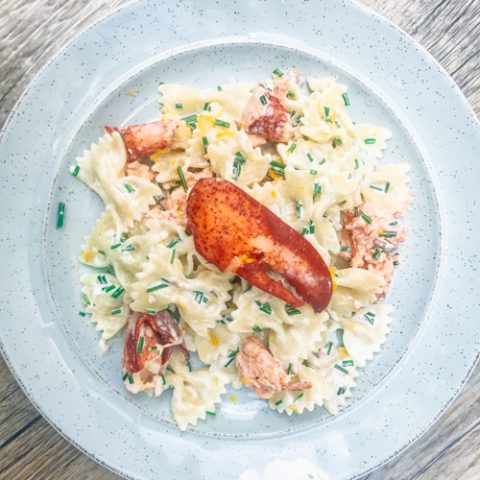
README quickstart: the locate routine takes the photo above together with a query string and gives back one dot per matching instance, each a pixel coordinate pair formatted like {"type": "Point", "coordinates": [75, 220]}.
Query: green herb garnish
{"type": "Point", "coordinates": [221, 123]}
{"type": "Point", "coordinates": [182, 179]}
{"type": "Point", "coordinates": [264, 307]}
{"type": "Point", "coordinates": [60, 214]}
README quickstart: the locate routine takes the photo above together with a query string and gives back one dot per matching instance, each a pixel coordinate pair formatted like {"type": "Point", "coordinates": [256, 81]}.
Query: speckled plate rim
{"type": "Point", "coordinates": [438, 68]}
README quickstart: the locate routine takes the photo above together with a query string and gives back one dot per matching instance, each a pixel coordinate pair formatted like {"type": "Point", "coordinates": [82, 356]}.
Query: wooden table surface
{"type": "Point", "coordinates": [30, 32]}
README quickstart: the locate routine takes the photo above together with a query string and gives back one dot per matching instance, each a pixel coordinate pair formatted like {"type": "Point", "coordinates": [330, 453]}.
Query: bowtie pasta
{"type": "Point", "coordinates": [314, 168]}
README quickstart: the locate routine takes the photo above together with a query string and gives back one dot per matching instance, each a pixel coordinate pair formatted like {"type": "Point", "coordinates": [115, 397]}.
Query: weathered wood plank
{"type": "Point", "coordinates": [31, 31]}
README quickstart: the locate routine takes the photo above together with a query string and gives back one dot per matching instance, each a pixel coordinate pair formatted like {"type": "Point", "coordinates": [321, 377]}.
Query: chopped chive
{"type": "Point", "coordinates": [172, 256]}
{"type": "Point", "coordinates": [179, 105]}
{"type": "Point", "coordinates": [118, 292]}
{"type": "Point", "coordinates": [164, 381]}
{"type": "Point", "coordinates": [345, 249]}
{"type": "Point", "coordinates": [339, 332]}
{"type": "Point", "coordinates": [346, 100]}
{"type": "Point", "coordinates": [313, 172]}
{"type": "Point", "coordinates": [189, 366]}
{"type": "Point", "coordinates": [207, 107]}
{"type": "Point", "coordinates": [310, 158]}
{"type": "Point", "coordinates": [125, 375]}
{"type": "Point", "coordinates": [387, 186]}
{"type": "Point", "coordinates": [396, 263]}
{"type": "Point", "coordinates": [277, 73]}
{"type": "Point", "coordinates": [292, 310]}
{"type": "Point", "coordinates": [341, 390]}
{"type": "Point", "coordinates": [75, 170]}
{"type": "Point", "coordinates": [170, 369]}
{"type": "Point", "coordinates": [101, 252]}
{"type": "Point", "coordinates": [182, 179]}
{"type": "Point", "coordinates": [257, 329]}
{"type": "Point", "coordinates": [159, 286]}
{"type": "Point", "coordinates": [388, 234]}
{"type": "Point", "coordinates": [200, 297]}
{"type": "Point", "coordinates": [128, 248]}
{"type": "Point", "coordinates": [370, 141]}
{"type": "Point", "coordinates": [151, 311]}
{"type": "Point", "coordinates": [321, 162]}
{"type": "Point", "coordinates": [82, 314]}
{"type": "Point", "coordinates": [374, 187]}
{"type": "Point", "coordinates": [115, 245]}
{"type": "Point", "coordinates": [109, 288]}
{"type": "Point", "coordinates": [329, 347]}
{"type": "Point", "coordinates": [376, 254]}
{"type": "Point", "coordinates": [336, 142]}
{"type": "Point", "coordinates": [221, 123]}
{"type": "Point", "coordinates": [173, 242]}
{"type": "Point", "coordinates": [219, 88]}
{"type": "Point", "coordinates": [232, 355]}
{"type": "Point", "coordinates": [366, 217]}
{"type": "Point", "coordinates": [347, 363]}
{"type": "Point", "coordinates": [289, 369]}
{"type": "Point", "coordinates": [263, 99]}
{"type": "Point", "coordinates": [369, 318]}
{"type": "Point", "coordinates": [278, 168]}
{"type": "Point", "coordinates": [153, 348]}
{"type": "Point", "coordinates": [356, 164]}
{"type": "Point", "coordinates": [327, 111]}
{"type": "Point", "coordinates": [205, 144]}
{"type": "Point", "coordinates": [174, 312]}
{"type": "Point", "coordinates": [369, 314]}
{"type": "Point", "coordinates": [355, 211]}
{"type": "Point", "coordinates": [60, 214]}
{"type": "Point", "coordinates": [278, 402]}
{"type": "Point", "coordinates": [298, 397]}
{"type": "Point", "coordinates": [291, 94]}
{"type": "Point", "coordinates": [292, 148]}
{"type": "Point", "coordinates": [129, 377]}
{"type": "Point", "coordinates": [317, 190]}
{"type": "Point", "coordinates": [118, 311]}
{"type": "Point", "coordinates": [173, 185]}
{"type": "Point", "coordinates": [102, 279]}
{"type": "Point", "coordinates": [264, 307]}
{"type": "Point", "coordinates": [238, 162]}
{"type": "Point", "coordinates": [212, 414]}
{"type": "Point", "coordinates": [298, 208]}
{"type": "Point", "coordinates": [189, 119]}
{"type": "Point", "coordinates": [308, 228]}
{"type": "Point", "coordinates": [341, 369]}
{"type": "Point", "coordinates": [129, 188]}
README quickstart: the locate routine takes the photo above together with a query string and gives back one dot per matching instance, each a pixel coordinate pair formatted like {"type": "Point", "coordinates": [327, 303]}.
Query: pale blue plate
{"type": "Point", "coordinates": [392, 82]}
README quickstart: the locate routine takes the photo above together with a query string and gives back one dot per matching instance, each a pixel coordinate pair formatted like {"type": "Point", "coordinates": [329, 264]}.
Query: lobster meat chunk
{"type": "Point", "coordinates": [149, 341]}
{"type": "Point", "coordinates": [143, 140]}
{"type": "Point", "coordinates": [260, 370]}
{"type": "Point", "coordinates": [238, 234]}
{"type": "Point", "coordinates": [266, 117]}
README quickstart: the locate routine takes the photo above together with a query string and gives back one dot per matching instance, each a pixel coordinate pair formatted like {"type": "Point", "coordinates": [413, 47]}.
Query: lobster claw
{"type": "Point", "coordinates": [142, 140]}
{"type": "Point", "coordinates": [238, 234]}
{"type": "Point", "coordinates": [151, 338]}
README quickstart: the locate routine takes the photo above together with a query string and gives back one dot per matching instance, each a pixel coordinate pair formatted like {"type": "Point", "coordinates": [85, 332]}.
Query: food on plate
{"type": "Point", "coordinates": [249, 238]}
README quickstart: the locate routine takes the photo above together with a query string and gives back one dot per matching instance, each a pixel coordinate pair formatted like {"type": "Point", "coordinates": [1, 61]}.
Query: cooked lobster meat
{"type": "Point", "coordinates": [143, 140]}
{"type": "Point", "coordinates": [238, 234]}
{"type": "Point", "coordinates": [260, 370]}
{"type": "Point", "coordinates": [149, 341]}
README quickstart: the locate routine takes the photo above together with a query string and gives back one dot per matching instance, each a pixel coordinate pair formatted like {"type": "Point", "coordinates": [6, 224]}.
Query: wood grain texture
{"type": "Point", "coordinates": [30, 33]}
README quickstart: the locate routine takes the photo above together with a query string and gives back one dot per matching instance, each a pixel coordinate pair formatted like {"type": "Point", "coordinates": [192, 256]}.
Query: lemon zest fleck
{"type": "Point", "coordinates": [214, 339]}
{"type": "Point", "coordinates": [131, 92]}
{"type": "Point", "coordinates": [246, 259]}
{"type": "Point", "coordinates": [233, 398]}
{"type": "Point", "coordinates": [274, 193]}
{"type": "Point", "coordinates": [293, 408]}
{"type": "Point", "coordinates": [343, 352]}
{"type": "Point", "coordinates": [332, 271]}
{"type": "Point", "coordinates": [351, 325]}
{"type": "Point", "coordinates": [244, 380]}
{"type": "Point", "coordinates": [87, 255]}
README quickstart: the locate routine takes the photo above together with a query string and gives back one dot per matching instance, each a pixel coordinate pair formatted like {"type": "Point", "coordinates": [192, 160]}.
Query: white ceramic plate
{"type": "Point", "coordinates": [392, 82]}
